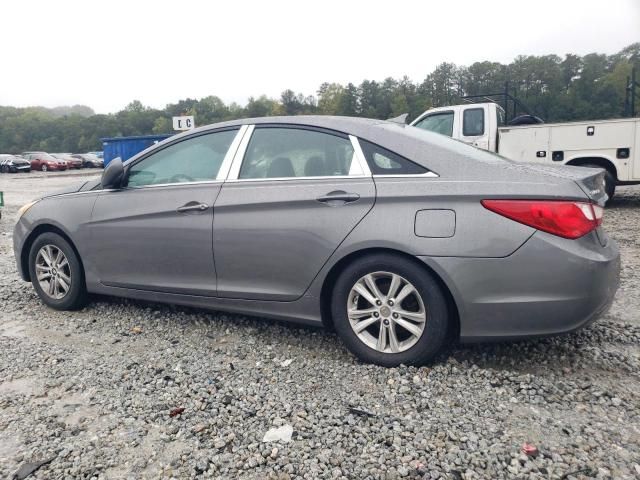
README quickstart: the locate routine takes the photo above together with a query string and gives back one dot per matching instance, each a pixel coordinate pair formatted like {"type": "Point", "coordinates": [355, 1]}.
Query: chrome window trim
{"type": "Point", "coordinates": [227, 162]}
{"type": "Point", "coordinates": [304, 179]}
{"type": "Point", "coordinates": [234, 169]}
{"type": "Point", "coordinates": [408, 175]}
{"type": "Point", "coordinates": [174, 184]}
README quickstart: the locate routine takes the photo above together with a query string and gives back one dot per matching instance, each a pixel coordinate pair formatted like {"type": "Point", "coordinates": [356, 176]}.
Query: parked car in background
{"type": "Point", "coordinates": [99, 154]}
{"type": "Point", "coordinates": [44, 162]}
{"type": "Point", "coordinates": [71, 161]}
{"type": "Point", "coordinates": [399, 238]}
{"type": "Point", "coordinates": [89, 160]}
{"type": "Point", "coordinates": [13, 164]}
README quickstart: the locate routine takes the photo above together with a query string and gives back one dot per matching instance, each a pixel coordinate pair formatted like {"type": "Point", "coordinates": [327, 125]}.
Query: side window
{"type": "Point", "coordinates": [195, 159]}
{"type": "Point", "coordinates": [473, 122]}
{"type": "Point", "coordinates": [275, 152]}
{"type": "Point", "coordinates": [438, 122]}
{"type": "Point", "coordinates": [384, 162]}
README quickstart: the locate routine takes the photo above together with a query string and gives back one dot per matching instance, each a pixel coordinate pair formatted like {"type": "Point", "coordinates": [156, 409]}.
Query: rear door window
{"type": "Point", "coordinates": [441, 122]}
{"type": "Point", "coordinates": [277, 152]}
{"type": "Point", "coordinates": [473, 122]}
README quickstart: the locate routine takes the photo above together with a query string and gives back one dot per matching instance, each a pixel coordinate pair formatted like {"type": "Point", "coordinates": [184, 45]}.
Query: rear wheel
{"type": "Point", "coordinates": [389, 311]}
{"type": "Point", "coordinates": [43, 167]}
{"type": "Point", "coordinates": [4, 169]}
{"type": "Point", "coordinates": [56, 273]}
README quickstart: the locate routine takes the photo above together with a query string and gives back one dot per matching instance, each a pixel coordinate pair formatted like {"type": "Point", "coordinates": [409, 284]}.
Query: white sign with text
{"type": "Point", "coordinates": [184, 123]}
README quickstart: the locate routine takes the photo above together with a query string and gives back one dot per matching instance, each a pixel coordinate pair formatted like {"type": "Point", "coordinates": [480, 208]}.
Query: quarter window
{"type": "Point", "coordinates": [473, 122]}
{"type": "Point", "coordinates": [385, 162]}
{"type": "Point", "coordinates": [294, 152]}
{"type": "Point", "coordinates": [192, 160]}
{"type": "Point", "coordinates": [438, 122]}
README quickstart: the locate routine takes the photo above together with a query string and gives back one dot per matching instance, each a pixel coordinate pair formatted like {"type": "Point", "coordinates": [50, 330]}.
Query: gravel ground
{"type": "Point", "coordinates": [94, 391]}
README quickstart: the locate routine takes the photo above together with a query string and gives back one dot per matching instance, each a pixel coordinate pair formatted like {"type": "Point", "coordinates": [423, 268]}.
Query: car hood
{"type": "Point", "coordinates": [70, 189]}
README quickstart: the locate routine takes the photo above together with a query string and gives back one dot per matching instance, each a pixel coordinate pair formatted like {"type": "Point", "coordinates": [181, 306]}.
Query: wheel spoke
{"type": "Point", "coordinates": [63, 262]}
{"type": "Point", "coordinates": [43, 276]}
{"type": "Point", "coordinates": [52, 287]}
{"type": "Point", "coordinates": [409, 327]}
{"type": "Point", "coordinates": [64, 286]}
{"type": "Point", "coordinates": [362, 290]}
{"type": "Point", "coordinates": [415, 316]}
{"type": "Point", "coordinates": [371, 284]}
{"type": "Point", "coordinates": [355, 313]}
{"type": "Point", "coordinates": [45, 256]}
{"type": "Point", "coordinates": [362, 324]}
{"type": "Point", "coordinates": [66, 278]}
{"type": "Point", "coordinates": [382, 339]}
{"type": "Point", "coordinates": [393, 339]}
{"type": "Point", "coordinates": [407, 290]}
{"type": "Point", "coordinates": [59, 256]}
{"type": "Point", "coordinates": [393, 288]}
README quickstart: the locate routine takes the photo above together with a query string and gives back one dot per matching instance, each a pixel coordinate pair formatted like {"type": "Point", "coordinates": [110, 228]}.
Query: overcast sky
{"type": "Point", "coordinates": [106, 53]}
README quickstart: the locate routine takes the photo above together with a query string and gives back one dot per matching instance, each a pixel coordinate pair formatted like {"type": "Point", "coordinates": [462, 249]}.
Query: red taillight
{"type": "Point", "coordinates": [562, 218]}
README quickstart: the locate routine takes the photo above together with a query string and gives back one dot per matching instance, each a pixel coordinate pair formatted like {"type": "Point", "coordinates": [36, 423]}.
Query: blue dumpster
{"type": "Point", "coordinates": [127, 147]}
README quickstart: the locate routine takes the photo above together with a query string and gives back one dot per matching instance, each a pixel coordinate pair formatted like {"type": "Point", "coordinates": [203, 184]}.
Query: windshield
{"type": "Point", "coordinates": [441, 122]}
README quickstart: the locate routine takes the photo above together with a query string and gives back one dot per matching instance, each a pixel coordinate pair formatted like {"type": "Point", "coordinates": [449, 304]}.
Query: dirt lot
{"type": "Point", "coordinates": [93, 390]}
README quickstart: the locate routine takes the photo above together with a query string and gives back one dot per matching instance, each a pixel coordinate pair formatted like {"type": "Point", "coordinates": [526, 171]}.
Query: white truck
{"type": "Point", "coordinates": [613, 145]}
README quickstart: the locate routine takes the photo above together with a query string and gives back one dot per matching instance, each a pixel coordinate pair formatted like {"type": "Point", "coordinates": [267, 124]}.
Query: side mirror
{"type": "Point", "coordinates": [113, 175]}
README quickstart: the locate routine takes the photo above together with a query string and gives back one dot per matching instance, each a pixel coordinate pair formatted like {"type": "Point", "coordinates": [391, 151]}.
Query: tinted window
{"type": "Point", "coordinates": [195, 159]}
{"type": "Point", "coordinates": [473, 122]}
{"type": "Point", "coordinates": [294, 152]}
{"type": "Point", "coordinates": [500, 113]}
{"type": "Point", "coordinates": [384, 162]}
{"type": "Point", "coordinates": [438, 122]}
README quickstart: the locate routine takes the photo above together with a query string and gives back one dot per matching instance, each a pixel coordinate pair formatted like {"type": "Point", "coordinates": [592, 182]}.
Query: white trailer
{"type": "Point", "coordinates": [613, 145]}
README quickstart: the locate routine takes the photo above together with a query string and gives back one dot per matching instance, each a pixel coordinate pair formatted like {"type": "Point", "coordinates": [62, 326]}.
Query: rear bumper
{"type": "Point", "coordinates": [548, 286]}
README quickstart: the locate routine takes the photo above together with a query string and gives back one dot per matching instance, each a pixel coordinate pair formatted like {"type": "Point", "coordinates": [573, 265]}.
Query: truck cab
{"type": "Point", "coordinates": [476, 124]}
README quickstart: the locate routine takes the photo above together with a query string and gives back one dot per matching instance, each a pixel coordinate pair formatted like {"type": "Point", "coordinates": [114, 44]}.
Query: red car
{"type": "Point", "coordinates": [68, 159]}
{"type": "Point", "coordinates": [43, 161]}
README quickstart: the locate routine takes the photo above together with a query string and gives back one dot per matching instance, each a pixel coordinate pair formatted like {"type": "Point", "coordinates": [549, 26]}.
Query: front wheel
{"type": "Point", "coordinates": [390, 311]}
{"type": "Point", "coordinates": [56, 273]}
{"type": "Point", "coordinates": [43, 167]}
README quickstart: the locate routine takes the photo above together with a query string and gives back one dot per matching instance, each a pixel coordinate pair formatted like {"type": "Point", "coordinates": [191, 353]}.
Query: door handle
{"type": "Point", "coordinates": [192, 207]}
{"type": "Point", "coordinates": [338, 196]}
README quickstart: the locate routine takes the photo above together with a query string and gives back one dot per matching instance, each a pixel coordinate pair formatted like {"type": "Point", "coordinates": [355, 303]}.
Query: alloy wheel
{"type": "Point", "coordinates": [386, 312]}
{"type": "Point", "coordinates": [53, 271]}
{"type": "Point", "coordinates": [43, 168]}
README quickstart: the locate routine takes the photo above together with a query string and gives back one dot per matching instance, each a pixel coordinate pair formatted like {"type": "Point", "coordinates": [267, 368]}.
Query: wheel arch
{"type": "Point", "coordinates": [337, 268]}
{"type": "Point", "coordinates": [603, 162]}
{"type": "Point", "coordinates": [35, 233]}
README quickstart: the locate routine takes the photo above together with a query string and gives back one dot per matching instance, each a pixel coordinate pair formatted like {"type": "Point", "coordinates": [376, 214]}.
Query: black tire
{"type": "Point", "coordinates": [76, 296]}
{"type": "Point", "coordinates": [3, 169]}
{"type": "Point", "coordinates": [43, 167]}
{"type": "Point", "coordinates": [437, 316]}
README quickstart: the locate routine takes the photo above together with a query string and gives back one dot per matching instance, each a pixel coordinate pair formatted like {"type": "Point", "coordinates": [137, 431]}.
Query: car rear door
{"type": "Point", "coordinates": [156, 232]}
{"type": "Point", "coordinates": [292, 196]}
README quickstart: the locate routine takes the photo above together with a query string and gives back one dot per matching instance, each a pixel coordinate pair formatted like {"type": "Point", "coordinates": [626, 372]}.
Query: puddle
{"type": "Point", "coordinates": [21, 386]}
{"type": "Point", "coordinates": [13, 329]}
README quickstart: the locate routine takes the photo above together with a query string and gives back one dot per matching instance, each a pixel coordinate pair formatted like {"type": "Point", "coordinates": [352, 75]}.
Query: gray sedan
{"type": "Point", "coordinates": [400, 239]}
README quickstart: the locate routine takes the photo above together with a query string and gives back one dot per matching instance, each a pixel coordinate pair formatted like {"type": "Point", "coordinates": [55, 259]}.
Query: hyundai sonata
{"type": "Point", "coordinates": [398, 238]}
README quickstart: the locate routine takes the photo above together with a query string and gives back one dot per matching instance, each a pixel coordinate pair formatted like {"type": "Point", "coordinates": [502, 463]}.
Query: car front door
{"type": "Point", "coordinates": [155, 233]}
{"type": "Point", "coordinates": [292, 196]}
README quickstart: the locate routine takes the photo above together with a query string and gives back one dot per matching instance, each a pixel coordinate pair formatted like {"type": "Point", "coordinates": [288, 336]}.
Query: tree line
{"type": "Point", "coordinates": [554, 88]}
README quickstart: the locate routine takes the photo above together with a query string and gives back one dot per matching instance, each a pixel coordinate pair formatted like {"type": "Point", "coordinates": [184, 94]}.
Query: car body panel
{"type": "Point", "coordinates": [272, 237]}
{"type": "Point", "coordinates": [139, 240]}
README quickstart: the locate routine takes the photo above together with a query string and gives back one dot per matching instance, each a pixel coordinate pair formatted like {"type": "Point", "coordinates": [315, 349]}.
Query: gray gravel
{"type": "Point", "coordinates": [95, 390]}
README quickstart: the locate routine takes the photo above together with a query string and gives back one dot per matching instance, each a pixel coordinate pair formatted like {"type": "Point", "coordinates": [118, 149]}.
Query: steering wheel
{"type": "Point", "coordinates": [181, 177]}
